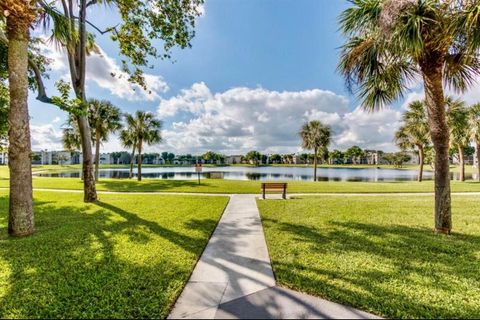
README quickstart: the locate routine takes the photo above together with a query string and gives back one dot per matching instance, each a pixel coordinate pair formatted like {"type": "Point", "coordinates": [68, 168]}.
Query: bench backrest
{"type": "Point", "coordinates": [274, 185]}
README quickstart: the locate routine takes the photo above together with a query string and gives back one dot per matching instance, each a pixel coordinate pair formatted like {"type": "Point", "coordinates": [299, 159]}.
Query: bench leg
{"type": "Point", "coordinates": [284, 196]}
{"type": "Point", "coordinates": [263, 195]}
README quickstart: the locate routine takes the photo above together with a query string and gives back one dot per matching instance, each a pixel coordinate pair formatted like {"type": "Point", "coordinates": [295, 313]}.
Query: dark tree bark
{"type": "Point", "coordinates": [461, 157]}
{"type": "Point", "coordinates": [139, 161]}
{"type": "Point", "coordinates": [97, 153]}
{"type": "Point", "coordinates": [20, 218]}
{"type": "Point", "coordinates": [315, 164]}
{"type": "Point", "coordinates": [432, 74]}
{"type": "Point", "coordinates": [421, 157]}
{"type": "Point", "coordinates": [132, 160]}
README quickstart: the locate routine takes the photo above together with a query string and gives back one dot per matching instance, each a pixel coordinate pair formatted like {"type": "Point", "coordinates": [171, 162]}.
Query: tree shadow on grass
{"type": "Point", "coordinates": [398, 263]}
{"type": "Point", "coordinates": [152, 185]}
{"type": "Point", "coordinates": [95, 261]}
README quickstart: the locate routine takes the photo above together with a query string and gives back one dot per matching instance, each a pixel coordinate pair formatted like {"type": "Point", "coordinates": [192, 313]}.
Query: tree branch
{"type": "Point", "coordinates": [42, 96]}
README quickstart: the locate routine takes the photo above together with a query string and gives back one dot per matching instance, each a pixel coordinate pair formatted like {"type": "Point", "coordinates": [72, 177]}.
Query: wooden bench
{"type": "Point", "coordinates": [274, 186]}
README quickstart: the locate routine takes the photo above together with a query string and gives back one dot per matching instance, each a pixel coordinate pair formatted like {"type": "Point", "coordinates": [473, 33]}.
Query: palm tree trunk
{"type": "Point", "coordinates": [478, 160]}
{"type": "Point", "coordinates": [435, 101]}
{"type": "Point", "coordinates": [20, 218]}
{"type": "Point", "coordinates": [132, 160]}
{"type": "Point", "coordinates": [315, 164]}
{"type": "Point", "coordinates": [421, 156]}
{"type": "Point", "coordinates": [97, 153]}
{"type": "Point", "coordinates": [139, 162]}
{"type": "Point", "coordinates": [461, 157]}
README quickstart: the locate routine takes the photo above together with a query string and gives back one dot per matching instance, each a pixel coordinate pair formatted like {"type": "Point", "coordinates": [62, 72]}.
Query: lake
{"type": "Point", "coordinates": [264, 173]}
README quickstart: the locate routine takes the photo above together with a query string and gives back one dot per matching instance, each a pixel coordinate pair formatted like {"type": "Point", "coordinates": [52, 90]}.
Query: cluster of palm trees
{"type": "Point", "coordinates": [391, 43]}
{"type": "Point", "coordinates": [141, 128]}
{"type": "Point", "coordinates": [463, 126]}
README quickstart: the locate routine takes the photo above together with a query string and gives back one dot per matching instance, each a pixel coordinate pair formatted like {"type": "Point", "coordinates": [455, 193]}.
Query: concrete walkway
{"type": "Point", "coordinates": [234, 277]}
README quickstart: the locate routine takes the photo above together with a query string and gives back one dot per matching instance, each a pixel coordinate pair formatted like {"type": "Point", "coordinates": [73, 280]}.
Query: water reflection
{"type": "Point", "coordinates": [265, 173]}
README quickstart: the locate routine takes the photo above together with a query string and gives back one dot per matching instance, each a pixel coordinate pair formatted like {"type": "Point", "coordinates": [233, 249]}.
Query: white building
{"type": "Point", "coordinates": [234, 159]}
{"type": "Point", "coordinates": [3, 158]}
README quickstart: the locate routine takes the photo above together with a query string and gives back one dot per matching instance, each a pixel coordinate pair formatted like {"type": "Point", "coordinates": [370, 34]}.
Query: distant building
{"type": "Point", "coordinates": [46, 157]}
{"type": "Point", "coordinates": [235, 159]}
{"type": "Point", "coordinates": [3, 158]}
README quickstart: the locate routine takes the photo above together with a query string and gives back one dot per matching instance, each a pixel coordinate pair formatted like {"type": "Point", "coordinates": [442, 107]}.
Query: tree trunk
{"type": "Point", "coordinates": [77, 63]}
{"type": "Point", "coordinates": [89, 190]}
{"type": "Point", "coordinates": [461, 157]}
{"type": "Point", "coordinates": [97, 153]}
{"type": "Point", "coordinates": [20, 218]}
{"type": "Point", "coordinates": [132, 160]}
{"type": "Point", "coordinates": [139, 161]}
{"type": "Point", "coordinates": [421, 156]}
{"type": "Point", "coordinates": [435, 101]}
{"type": "Point", "coordinates": [315, 164]}
{"type": "Point", "coordinates": [478, 160]}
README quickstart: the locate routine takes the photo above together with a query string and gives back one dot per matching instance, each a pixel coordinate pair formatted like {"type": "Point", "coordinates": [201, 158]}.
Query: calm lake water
{"type": "Point", "coordinates": [264, 173]}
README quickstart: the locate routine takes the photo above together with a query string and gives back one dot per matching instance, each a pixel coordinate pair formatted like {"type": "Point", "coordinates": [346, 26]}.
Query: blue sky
{"type": "Point", "coordinates": [257, 70]}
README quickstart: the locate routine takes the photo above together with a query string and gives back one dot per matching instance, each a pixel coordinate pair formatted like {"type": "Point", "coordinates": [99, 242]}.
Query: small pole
{"type": "Point", "coordinates": [198, 174]}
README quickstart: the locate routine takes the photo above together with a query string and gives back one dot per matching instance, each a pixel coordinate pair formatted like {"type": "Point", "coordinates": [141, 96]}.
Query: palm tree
{"type": "Point", "coordinates": [414, 132]}
{"type": "Point", "coordinates": [104, 118]}
{"type": "Point", "coordinates": [392, 42]}
{"type": "Point", "coordinates": [460, 133]}
{"type": "Point", "coordinates": [475, 132]}
{"type": "Point", "coordinates": [19, 17]}
{"type": "Point", "coordinates": [315, 136]}
{"type": "Point", "coordinates": [128, 139]}
{"type": "Point", "coordinates": [142, 128]}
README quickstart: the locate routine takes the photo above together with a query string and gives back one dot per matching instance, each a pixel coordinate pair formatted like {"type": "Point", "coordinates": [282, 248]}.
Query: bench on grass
{"type": "Point", "coordinates": [274, 186]}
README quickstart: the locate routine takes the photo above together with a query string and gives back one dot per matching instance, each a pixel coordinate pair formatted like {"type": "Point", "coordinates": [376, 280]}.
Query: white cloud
{"type": "Point", "coordinates": [241, 119]}
{"type": "Point", "coordinates": [101, 67]}
{"type": "Point", "coordinates": [45, 137]}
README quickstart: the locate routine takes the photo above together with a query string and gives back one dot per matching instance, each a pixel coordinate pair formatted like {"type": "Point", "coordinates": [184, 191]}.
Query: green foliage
{"type": "Point", "coordinates": [131, 260]}
{"type": "Point", "coordinates": [458, 123]}
{"type": "Point", "coordinates": [414, 132]}
{"type": "Point", "coordinates": [336, 156]}
{"type": "Point", "coordinates": [73, 106]}
{"type": "Point", "coordinates": [354, 152]}
{"type": "Point", "coordinates": [390, 42]}
{"type": "Point", "coordinates": [253, 156]}
{"type": "Point", "coordinates": [397, 159]}
{"type": "Point", "coordinates": [474, 121]}
{"type": "Point", "coordinates": [315, 136]}
{"type": "Point", "coordinates": [378, 254]}
{"type": "Point", "coordinates": [211, 157]}
{"type": "Point", "coordinates": [104, 118]}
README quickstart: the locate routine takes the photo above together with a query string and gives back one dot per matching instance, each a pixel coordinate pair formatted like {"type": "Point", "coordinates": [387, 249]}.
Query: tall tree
{"type": "Point", "coordinates": [144, 129]}
{"type": "Point", "coordinates": [414, 132]}
{"type": "Point", "coordinates": [19, 16]}
{"type": "Point", "coordinates": [460, 132]}
{"type": "Point", "coordinates": [474, 125]}
{"type": "Point", "coordinates": [315, 136]}
{"type": "Point", "coordinates": [141, 22]}
{"type": "Point", "coordinates": [391, 42]}
{"type": "Point", "coordinates": [104, 119]}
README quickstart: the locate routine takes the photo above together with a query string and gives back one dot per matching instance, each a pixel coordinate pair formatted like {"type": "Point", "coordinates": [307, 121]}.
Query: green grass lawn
{"type": "Point", "coordinates": [378, 254]}
{"type": "Point", "coordinates": [236, 186]}
{"type": "Point", "coordinates": [126, 256]}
